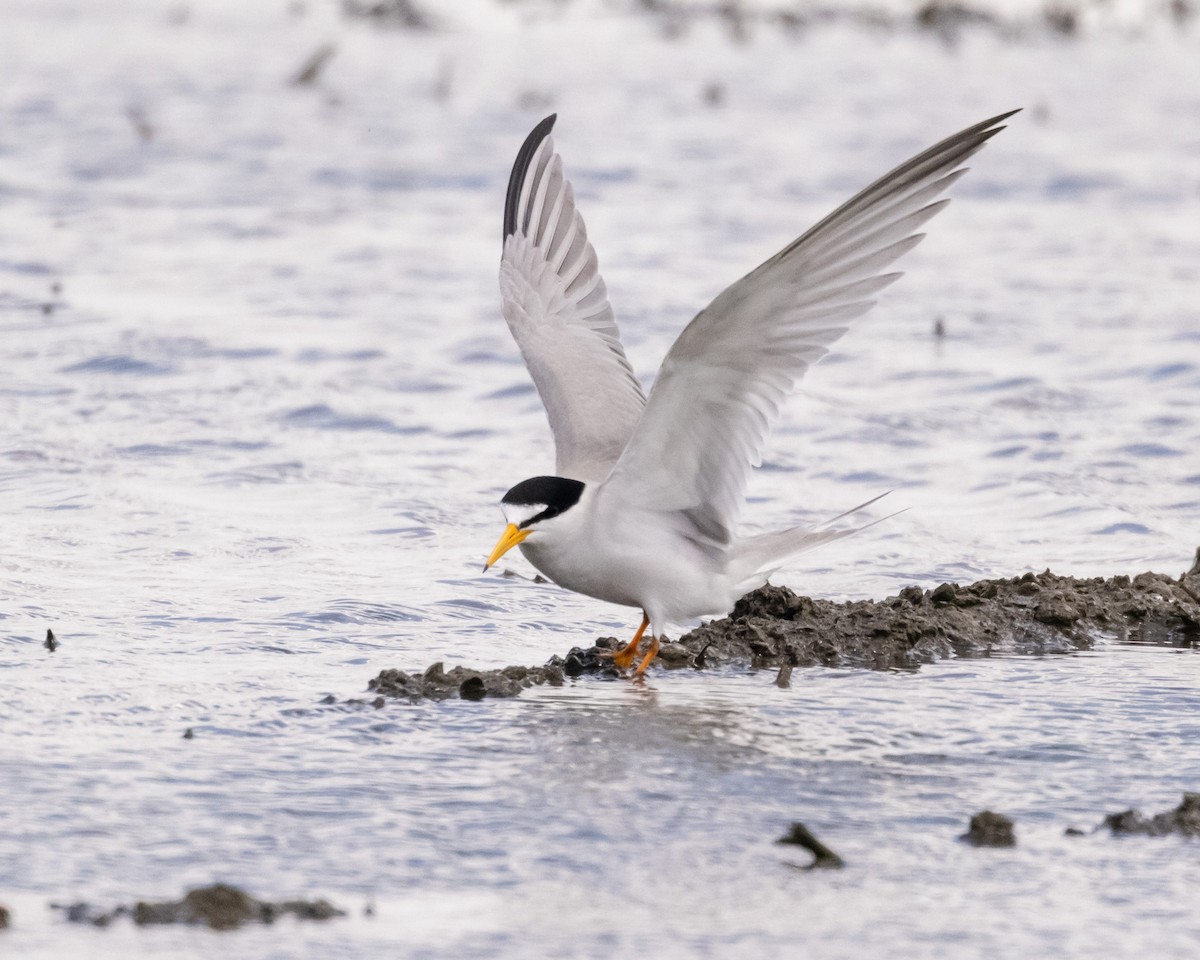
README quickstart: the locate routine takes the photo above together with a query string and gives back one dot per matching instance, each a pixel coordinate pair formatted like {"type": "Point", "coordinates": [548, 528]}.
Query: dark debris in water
{"type": "Point", "coordinates": [988, 829]}
{"type": "Point", "coordinates": [773, 628]}
{"type": "Point", "coordinates": [1184, 819]}
{"type": "Point", "coordinates": [219, 907]}
{"type": "Point", "coordinates": [396, 13]}
{"type": "Point", "coordinates": [823, 857]}
{"type": "Point", "coordinates": [438, 683]}
{"type": "Point", "coordinates": [944, 19]}
{"type": "Point", "coordinates": [311, 69]}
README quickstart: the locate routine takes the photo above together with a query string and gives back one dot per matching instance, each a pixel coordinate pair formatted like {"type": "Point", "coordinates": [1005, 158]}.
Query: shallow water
{"type": "Point", "coordinates": [252, 453]}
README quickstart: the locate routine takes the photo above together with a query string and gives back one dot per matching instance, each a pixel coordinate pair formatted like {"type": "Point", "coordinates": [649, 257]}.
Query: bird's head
{"type": "Point", "coordinates": [531, 508]}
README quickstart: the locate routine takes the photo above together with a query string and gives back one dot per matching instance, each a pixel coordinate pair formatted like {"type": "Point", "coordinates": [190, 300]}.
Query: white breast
{"type": "Point", "coordinates": [633, 560]}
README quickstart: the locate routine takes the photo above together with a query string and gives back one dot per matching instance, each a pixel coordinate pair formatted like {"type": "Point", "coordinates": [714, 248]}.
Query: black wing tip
{"type": "Point", "coordinates": [1005, 116]}
{"type": "Point", "coordinates": [993, 126]}
{"type": "Point", "coordinates": [521, 167]}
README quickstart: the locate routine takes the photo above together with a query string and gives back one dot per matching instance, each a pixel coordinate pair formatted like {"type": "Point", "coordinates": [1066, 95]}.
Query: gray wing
{"type": "Point", "coordinates": [556, 306]}
{"type": "Point", "coordinates": [724, 380]}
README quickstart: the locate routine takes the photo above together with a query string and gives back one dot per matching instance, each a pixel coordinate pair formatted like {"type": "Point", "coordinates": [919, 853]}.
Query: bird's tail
{"type": "Point", "coordinates": [758, 557]}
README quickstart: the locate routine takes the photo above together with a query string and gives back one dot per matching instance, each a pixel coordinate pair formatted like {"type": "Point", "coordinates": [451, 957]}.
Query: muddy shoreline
{"type": "Point", "coordinates": [945, 19]}
{"type": "Point", "coordinates": [774, 628]}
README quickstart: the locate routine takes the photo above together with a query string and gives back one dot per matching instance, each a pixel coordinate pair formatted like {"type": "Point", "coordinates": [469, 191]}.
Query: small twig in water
{"type": "Point", "coordinates": [801, 836]}
{"type": "Point", "coordinates": [141, 123]}
{"type": "Point", "coordinates": [312, 67]}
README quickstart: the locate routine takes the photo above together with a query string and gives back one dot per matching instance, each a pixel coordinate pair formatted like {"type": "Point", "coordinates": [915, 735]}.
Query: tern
{"type": "Point", "coordinates": [644, 505]}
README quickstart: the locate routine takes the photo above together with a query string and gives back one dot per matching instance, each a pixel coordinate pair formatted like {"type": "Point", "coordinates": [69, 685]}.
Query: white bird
{"type": "Point", "coordinates": [643, 510]}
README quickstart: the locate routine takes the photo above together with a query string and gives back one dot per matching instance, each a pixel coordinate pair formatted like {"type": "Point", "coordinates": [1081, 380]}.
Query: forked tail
{"type": "Point", "coordinates": [758, 557]}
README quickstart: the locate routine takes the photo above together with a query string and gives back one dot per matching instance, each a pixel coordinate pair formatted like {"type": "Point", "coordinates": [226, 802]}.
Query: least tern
{"type": "Point", "coordinates": [644, 506]}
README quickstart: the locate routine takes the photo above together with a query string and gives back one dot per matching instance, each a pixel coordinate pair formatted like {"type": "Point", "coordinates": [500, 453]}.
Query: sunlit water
{"type": "Point", "coordinates": [250, 456]}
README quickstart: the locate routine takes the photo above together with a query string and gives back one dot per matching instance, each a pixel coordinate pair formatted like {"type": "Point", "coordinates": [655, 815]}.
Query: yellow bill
{"type": "Point", "coordinates": [512, 536]}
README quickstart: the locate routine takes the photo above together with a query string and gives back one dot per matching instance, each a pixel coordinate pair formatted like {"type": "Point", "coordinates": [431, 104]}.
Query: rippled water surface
{"type": "Point", "coordinates": [258, 406]}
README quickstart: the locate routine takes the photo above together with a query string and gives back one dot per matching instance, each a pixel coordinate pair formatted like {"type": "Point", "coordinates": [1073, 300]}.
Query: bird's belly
{"type": "Point", "coordinates": [673, 585]}
{"type": "Point", "coordinates": [589, 572]}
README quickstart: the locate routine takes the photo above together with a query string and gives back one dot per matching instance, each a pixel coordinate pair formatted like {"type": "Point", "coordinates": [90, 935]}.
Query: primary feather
{"type": "Point", "coordinates": [723, 382]}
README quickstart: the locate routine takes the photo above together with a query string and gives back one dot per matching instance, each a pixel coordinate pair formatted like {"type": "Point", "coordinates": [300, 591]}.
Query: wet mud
{"type": "Point", "coordinates": [988, 829]}
{"type": "Point", "coordinates": [774, 628]}
{"type": "Point", "coordinates": [219, 907]}
{"type": "Point", "coordinates": [1183, 820]}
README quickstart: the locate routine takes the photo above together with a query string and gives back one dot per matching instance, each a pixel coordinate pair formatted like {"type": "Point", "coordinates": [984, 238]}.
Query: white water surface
{"type": "Point", "coordinates": [258, 407]}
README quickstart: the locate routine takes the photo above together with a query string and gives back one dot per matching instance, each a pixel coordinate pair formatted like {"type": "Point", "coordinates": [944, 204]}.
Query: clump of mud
{"type": "Point", "coordinates": [774, 628]}
{"type": "Point", "coordinates": [988, 829]}
{"type": "Point", "coordinates": [219, 907]}
{"type": "Point", "coordinates": [1033, 614]}
{"type": "Point", "coordinates": [1184, 819]}
{"type": "Point", "coordinates": [437, 683]}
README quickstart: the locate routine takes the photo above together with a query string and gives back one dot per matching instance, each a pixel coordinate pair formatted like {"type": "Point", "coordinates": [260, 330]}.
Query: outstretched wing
{"type": "Point", "coordinates": [724, 380]}
{"type": "Point", "coordinates": [557, 308]}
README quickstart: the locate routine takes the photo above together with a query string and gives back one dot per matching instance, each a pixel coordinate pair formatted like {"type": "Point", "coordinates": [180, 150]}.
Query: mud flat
{"type": "Point", "coordinates": [773, 628]}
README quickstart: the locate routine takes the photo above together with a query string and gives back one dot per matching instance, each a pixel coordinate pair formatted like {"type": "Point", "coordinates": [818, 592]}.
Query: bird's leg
{"type": "Point", "coordinates": [624, 657]}
{"type": "Point", "coordinates": [654, 645]}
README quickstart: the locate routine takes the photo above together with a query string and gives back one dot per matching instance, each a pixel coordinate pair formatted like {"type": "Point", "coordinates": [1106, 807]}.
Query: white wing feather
{"type": "Point", "coordinates": [723, 382]}
{"type": "Point", "coordinates": [556, 306]}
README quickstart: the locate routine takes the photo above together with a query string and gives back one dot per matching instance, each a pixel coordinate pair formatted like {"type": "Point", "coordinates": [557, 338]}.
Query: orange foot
{"type": "Point", "coordinates": [624, 657]}
{"type": "Point", "coordinates": [641, 670]}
